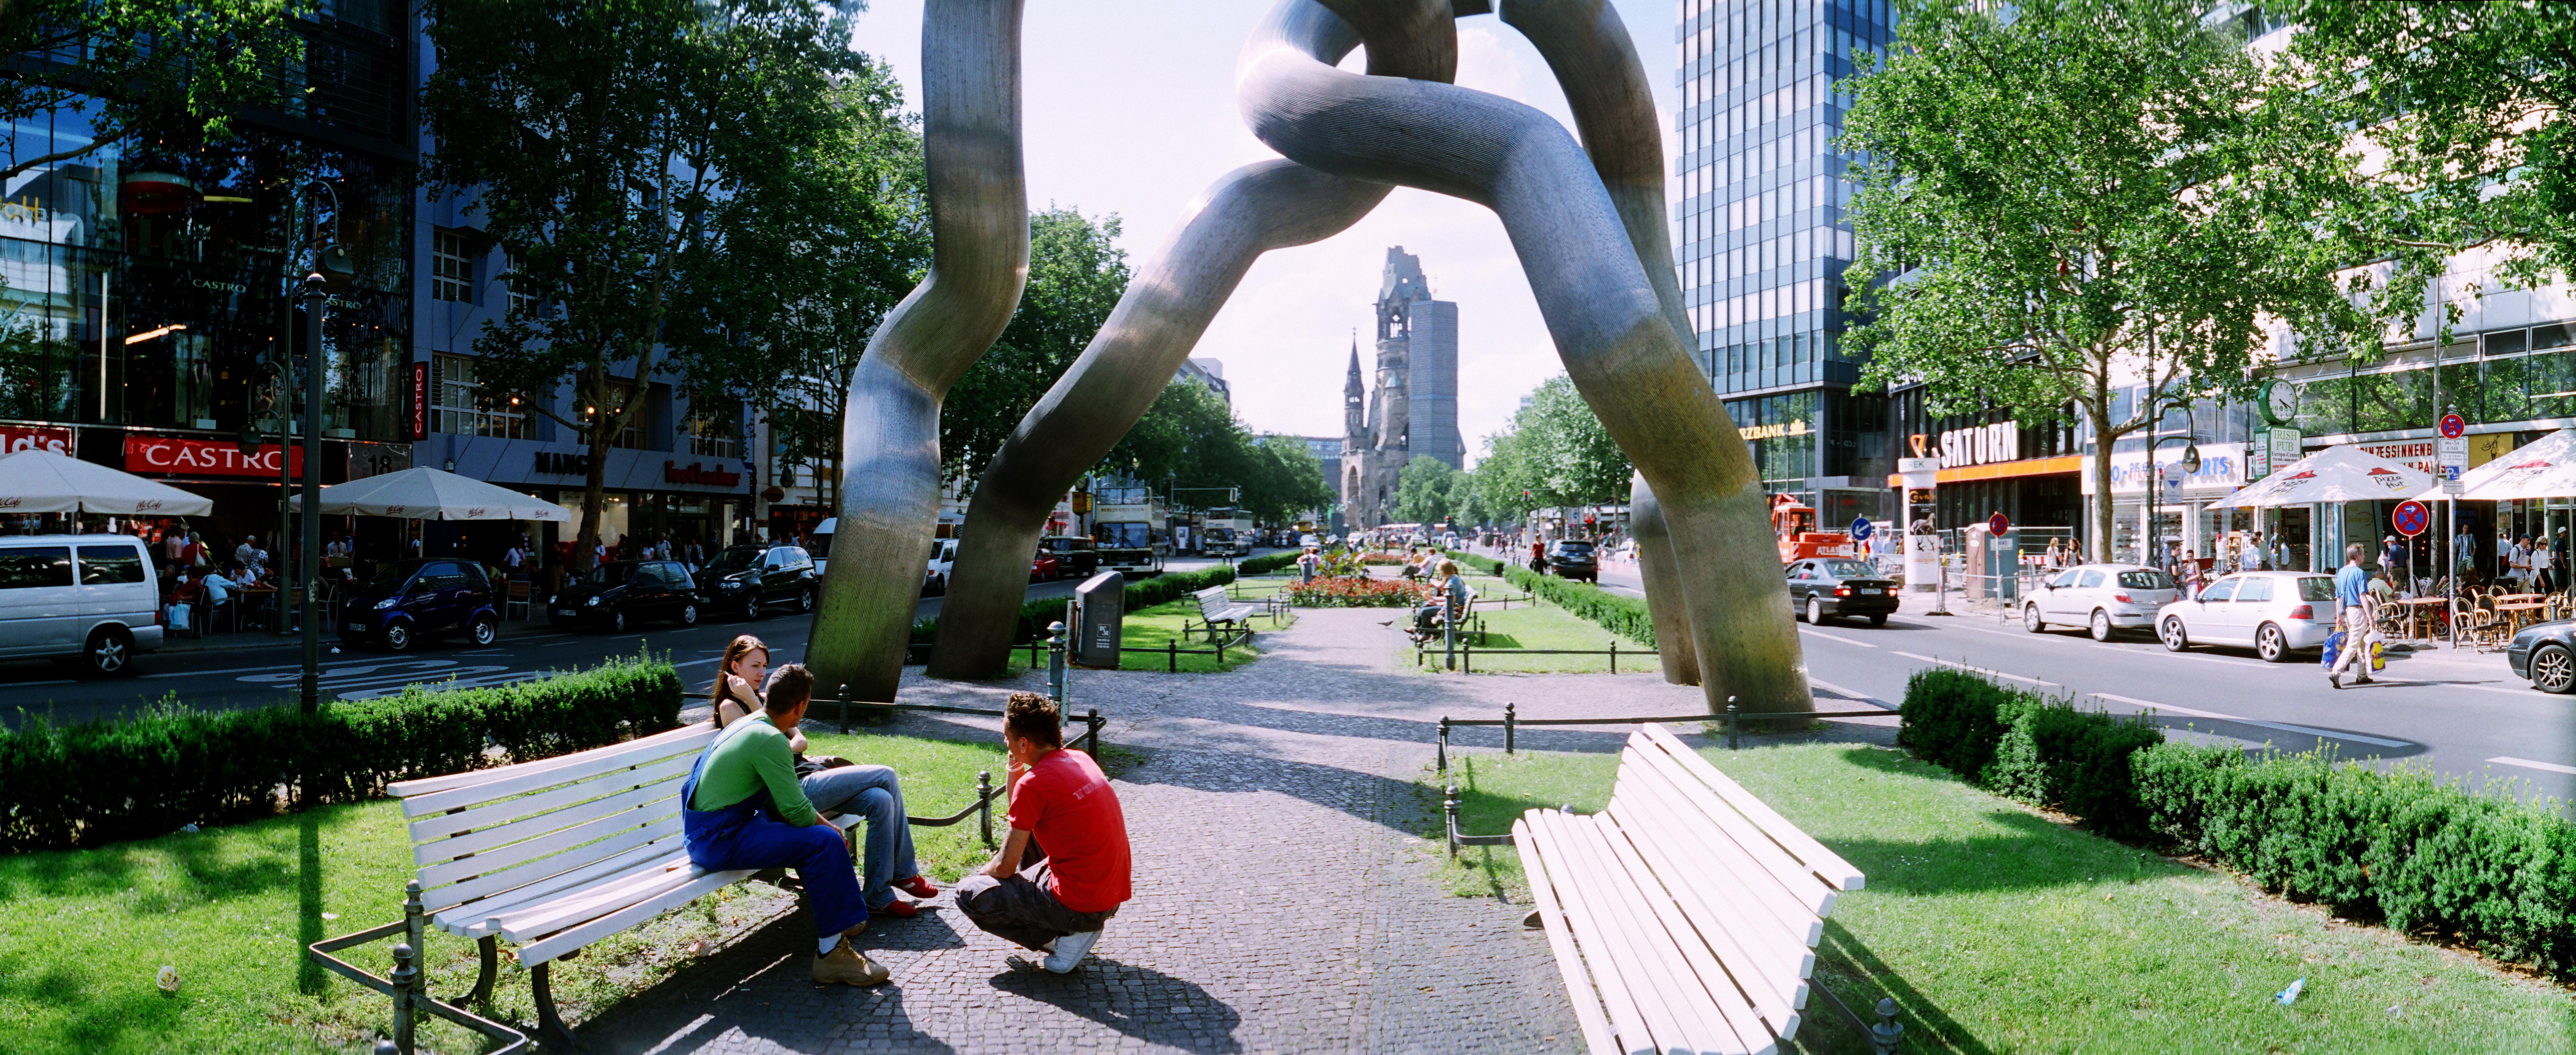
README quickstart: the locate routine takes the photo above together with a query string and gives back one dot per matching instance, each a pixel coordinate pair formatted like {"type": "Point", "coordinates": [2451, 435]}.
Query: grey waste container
{"type": "Point", "coordinates": [1100, 607]}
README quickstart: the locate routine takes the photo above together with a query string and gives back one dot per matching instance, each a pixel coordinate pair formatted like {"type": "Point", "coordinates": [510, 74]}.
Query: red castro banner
{"type": "Point", "coordinates": [172, 456]}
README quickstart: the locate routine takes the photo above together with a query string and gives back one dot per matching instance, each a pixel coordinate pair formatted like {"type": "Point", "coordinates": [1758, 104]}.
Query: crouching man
{"type": "Point", "coordinates": [743, 809]}
{"type": "Point", "coordinates": [1065, 822]}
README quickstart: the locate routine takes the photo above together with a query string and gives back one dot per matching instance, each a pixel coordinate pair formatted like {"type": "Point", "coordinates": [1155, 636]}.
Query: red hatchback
{"type": "Point", "coordinates": [1043, 567]}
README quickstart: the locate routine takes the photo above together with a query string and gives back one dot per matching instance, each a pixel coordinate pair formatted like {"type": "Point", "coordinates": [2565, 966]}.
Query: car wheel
{"type": "Point", "coordinates": [486, 630]}
{"type": "Point", "coordinates": [617, 620]}
{"type": "Point", "coordinates": [2101, 625]}
{"type": "Point", "coordinates": [1815, 611]}
{"type": "Point", "coordinates": [689, 614]}
{"type": "Point", "coordinates": [2553, 669]}
{"type": "Point", "coordinates": [1878, 620]}
{"type": "Point", "coordinates": [110, 652]}
{"type": "Point", "coordinates": [2271, 644]}
{"type": "Point", "coordinates": [805, 600]}
{"type": "Point", "coordinates": [2171, 633]}
{"type": "Point", "coordinates": [398, 636]}
{"type": "Point", "coordinates": [2030, 619]}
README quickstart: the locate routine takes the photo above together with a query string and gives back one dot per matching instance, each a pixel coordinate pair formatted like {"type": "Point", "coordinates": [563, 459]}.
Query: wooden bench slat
{"type": "Point", "coordinates": [508, 781]}
{"type": "Point", "coordinates": [609, 758]}
{"type": "Point", "coordinates": [468, 917]}
{"type": "Point", "coordinates": [1659, 908]}
{"type": "Point", "coordinates": [439, 850]}
{"type": "Point", "coordinates": [1633, 1005]}
{"type": "Point", "coordinates": [1667, 777]}
{"type": "Point", "coordinates": [1765, 969]}
{"type": "Point", "coordinates": [508, 811]}
{"type": "Point", "coordinates": [538, 858]}
{"type": "Point", "coordinates": [1598, 1037]}
{"type": "Point", "coordinates": [587, 903]}
{"type": "Point", "coordinates": [1826, 864]}
{"type": "Point", "coordinates": [1675, 1015]}
{"type": "Point", "coordinates": [1729, 864]}
{"type": "Point", "coordinates": [545, 949]}
{"type": "Point", "coordinates": [1763, 921]}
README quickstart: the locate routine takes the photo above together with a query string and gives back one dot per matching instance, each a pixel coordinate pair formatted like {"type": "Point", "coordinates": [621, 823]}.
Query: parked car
{"type": "Point", "coordinates": [943, 559]}
{"type": "Point", "coordinates": [422, 597]}
{"type": "Point", "coordinates": [2274, 611]}
{"type": "Point", "coordinates": [2099, 597]}
{"type": "Point", "coordinates": [89, 597]}
{"type": "Point", "coordinates": [619, 594]}
{"type": "Point", "coordinates": [1573, 559]}
{"type": "Point", "coordinates": [747, 579]}
{"type": "Point", "coordinates": [2545, 654]}
{"type": "Point", "coordinates": [1822, 588]}
{"type": "Point", "coordinates": [1074, 556]}
{"type": "Point", "coordinates": [1044, 568]}
{"type": "Point", "coordinates": [1309, 539]}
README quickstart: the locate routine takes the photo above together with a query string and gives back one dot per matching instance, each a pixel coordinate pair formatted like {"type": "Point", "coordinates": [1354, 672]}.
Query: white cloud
{"type": "Point", "coordinates": [1129, 108]}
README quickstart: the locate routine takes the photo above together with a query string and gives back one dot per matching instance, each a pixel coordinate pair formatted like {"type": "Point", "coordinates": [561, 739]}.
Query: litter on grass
{"type": "Point", "coordinates": [2291, 995]}
{"type": "Point", "coordinates": [168, 979]}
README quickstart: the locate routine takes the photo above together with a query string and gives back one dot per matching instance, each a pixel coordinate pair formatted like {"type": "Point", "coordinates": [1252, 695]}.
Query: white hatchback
{"type": "Point", "coordinates": [2099, 597]}
{"type": "Point", "coordinates": [2274, 611]}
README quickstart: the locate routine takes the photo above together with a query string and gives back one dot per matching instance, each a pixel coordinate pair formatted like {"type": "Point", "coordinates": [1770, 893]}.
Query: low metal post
{"type": "Point", "coordinates": [1442, 753]}
{"type": "Point", "coordinates": [1884, 1036]}
{"type": "Point", "coordinates": [404, 978]}
{"type": "Point", "coordinates": [1731, 724]}
{"type": "Point", "coordinates": [844, 697]}
{"type": "Point", "coordinates": [1511, 720]}
{"type": "Point", "coordinates": [1092, 719]}
{"type": "Point", "coordinates": [1449, 636]}
{"type": "Point", "coordinates": [1055, 662]}
{"type": "Point", "coordinates": [1614, 655]}
{"type": "Point", "coordinates": [1172, 655]}
{"type": "Point", "coordinates": [1220, 648]}
{"type": "Point", "coordinates": [1468, 658]}
{"type": "Point", "coordinates": [1450, 808]}
{"type": "Point", "coordinates": [984, 802]}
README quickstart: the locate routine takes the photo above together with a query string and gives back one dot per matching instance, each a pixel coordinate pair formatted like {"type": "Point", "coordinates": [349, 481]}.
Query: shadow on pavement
{"type": "Point", "coordinates": [1140, 1002]}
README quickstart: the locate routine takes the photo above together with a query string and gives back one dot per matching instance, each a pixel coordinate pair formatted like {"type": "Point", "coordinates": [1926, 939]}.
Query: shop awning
{"type": "Point", "coordinates": [2542, 468]}
{"type": "Point", "coordinates": [41, 481]}
{"type": "Point", "coordinates": [432, 494]}
{"type": "Point", "coordinates": [2336, 474]}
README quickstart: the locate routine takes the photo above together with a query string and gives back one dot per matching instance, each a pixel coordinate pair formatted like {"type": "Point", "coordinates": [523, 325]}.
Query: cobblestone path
{"type": "Point", "coordinates": [1283, 894]}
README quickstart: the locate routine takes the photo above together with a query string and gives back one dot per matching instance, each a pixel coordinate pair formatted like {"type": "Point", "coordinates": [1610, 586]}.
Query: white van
{"type": "Point", "coordinates": [819, 545]}
{"type": "Point", "coordinates": [90, 596]}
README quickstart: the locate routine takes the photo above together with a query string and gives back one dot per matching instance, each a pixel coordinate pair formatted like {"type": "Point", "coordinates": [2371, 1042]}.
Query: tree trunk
{"type": "Point", "coordinates": [594, 489]}
{"type": "Point", "coordinates": [2098, 415]}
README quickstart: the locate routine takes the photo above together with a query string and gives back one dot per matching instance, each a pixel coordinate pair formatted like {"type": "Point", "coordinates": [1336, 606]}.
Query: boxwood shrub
{"type": "Point", "coordinates": [2028, 747]}
{"type": "Point", "coordinates": [104, 780]}
{"type": "Point", "coordinates": [1265, 565]}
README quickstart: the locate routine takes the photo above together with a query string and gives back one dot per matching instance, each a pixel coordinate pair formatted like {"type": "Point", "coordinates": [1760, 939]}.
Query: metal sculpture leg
{"type": "Point", "coordinates": [1664, 604]}
{"type": "Point", "coordinates": [1257, 208]}
{"type": "Point", "coordinates": [1601, 307]}
{"type": "Point", "coordinates": [979, 264]}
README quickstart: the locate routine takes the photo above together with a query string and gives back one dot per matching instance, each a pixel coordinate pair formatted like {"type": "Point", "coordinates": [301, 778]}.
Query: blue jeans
{"type": "Point", "coordinates": [874, 793]}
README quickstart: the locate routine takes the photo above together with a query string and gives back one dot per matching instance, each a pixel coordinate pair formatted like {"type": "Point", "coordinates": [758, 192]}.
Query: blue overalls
{"type": "Point", "coordinates": [746, 835]}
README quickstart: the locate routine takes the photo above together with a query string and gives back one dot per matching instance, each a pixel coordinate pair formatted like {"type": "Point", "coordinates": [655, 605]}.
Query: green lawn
{"type": "Point", "coordinates": [82, 933]}
{"type": "Point", "coordinates": [1145, 632]}
{"type": "Point", "coordinates": [1538, 624]}
{"type": "Point", "coordinates": [1996, 929]}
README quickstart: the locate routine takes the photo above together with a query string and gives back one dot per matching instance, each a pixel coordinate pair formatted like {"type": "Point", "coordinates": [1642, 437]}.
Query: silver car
{"type": "Point", "coordinates": [2274, 611]}
{"type": "Point", "coordinates": [2099, 597]}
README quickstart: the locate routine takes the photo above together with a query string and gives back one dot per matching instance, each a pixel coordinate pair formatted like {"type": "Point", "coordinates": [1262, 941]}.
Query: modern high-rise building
{"type": "Point", "coordinates": [1414, 410]}
{"type": "Point", "coordinates": [1763, 241]}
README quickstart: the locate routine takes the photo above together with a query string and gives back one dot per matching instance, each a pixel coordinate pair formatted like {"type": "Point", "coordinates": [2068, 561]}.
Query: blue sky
{"type": "Point", "coordinates": [1129, 109]}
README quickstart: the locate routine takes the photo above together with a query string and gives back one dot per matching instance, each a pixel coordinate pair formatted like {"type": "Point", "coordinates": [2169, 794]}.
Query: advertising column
{"type": "Point", "coordinates": [1922, 546]}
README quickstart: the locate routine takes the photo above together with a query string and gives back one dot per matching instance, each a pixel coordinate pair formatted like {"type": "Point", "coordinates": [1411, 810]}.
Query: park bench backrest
{"type": "Point", "coordinates": [548, 825]}
{"type": "Point", "coordinates": [1213, 604]}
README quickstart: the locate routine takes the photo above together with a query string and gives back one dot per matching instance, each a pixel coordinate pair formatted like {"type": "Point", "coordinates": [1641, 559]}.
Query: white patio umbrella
{"type": "Point", "coordinates": [2336, 474]}
{"type": "Point", "coordinates": [2542, 468]}
{"type": "Point", "coordinates": [41, 481]}
{"type": "Point", "coordinates": [432, 494]}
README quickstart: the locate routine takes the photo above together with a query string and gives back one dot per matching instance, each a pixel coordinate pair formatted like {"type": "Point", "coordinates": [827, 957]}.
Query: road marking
{"type": "Point", "coordinates": [1837, 637]}
{"type": "Point", "coordinates": [2283, 726]}
{"type": "Point", "coordinates": [2548, 767]}
{"type": "Point", "coordinates": [695, 662]}
{"type": "Point", "coordinates": [1982, 670]}
{"type": "Point", "coordinates": [1856, 697]}
{"type": "Point", "coordinates": [2524, 693]}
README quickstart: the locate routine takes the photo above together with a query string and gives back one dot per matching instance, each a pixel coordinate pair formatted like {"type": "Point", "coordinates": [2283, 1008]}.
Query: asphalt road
{"type": "Point", "coordinates": [269, 670]}
{"type": "Point", "coordinates": [2462, 713]}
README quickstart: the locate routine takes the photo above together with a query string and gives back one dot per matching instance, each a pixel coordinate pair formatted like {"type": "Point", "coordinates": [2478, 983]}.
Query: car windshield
{"type": "Point", "coordinates": [2316, 588]}
{"type": "Point", "coordinates": [1850, 569]}
{"type": "Point", "coordinates": [1129, 535]}
{"type": "Point", "coordinates": [819, 546]}
{"type": "Point", "coordinates": [2146, 579]}
{"type": "Point", "coordinates": [392, 576]}
{"type": "Point", "coordinates": [738, 558]}
{"type": "Point", "coordinates": [610, 574]}
{"type": "Point", "coordinates": [1574, 549]}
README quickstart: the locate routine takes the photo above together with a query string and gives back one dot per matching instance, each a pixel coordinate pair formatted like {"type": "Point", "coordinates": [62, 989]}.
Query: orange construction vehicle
{"type": "Point", "coordinates": [1794, 523]}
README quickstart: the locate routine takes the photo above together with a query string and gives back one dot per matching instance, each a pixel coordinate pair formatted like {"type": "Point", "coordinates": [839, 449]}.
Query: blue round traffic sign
{"type": "Point", "coordinates": [1998, 524]}
{"type": "Point", "coordinates": [2453, 426]}
{"type": "Point", "coordinates": [1862, 529]}
{"type": "Point", "coordinates": [2412, 518]}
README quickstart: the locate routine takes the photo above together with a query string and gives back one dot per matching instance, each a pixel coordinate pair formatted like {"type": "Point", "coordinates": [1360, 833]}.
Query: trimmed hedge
{"type": "Point", "coordinates": [107, 780]}
{"type": "Point", "coordinates": [1624, 616]}
{"type": "Point", "coordinates": [1264, 565]}
{"type": "Point", "coordinates": [2427, 855]}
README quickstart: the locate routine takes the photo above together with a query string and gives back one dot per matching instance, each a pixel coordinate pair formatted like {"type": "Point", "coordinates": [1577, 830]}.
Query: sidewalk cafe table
{"type": "Point", "coordinates": [2520, 612]}
{"type": "Point", "coordinates": [2422, 615]}
{"type": "Point", "coordinates": [262, 596]}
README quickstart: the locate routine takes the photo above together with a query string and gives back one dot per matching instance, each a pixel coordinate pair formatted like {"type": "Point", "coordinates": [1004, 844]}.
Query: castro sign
{"type": "Point", "coordinates": [173, 456]}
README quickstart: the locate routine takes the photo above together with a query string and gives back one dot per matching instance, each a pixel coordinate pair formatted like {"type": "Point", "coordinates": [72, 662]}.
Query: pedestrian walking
{"type": "Point", "coordinates": [2353, 613]}
{"type": "Point", "coordinates": [2464, 554]}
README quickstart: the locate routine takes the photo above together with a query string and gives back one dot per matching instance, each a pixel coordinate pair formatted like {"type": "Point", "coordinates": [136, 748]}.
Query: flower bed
{"type": "Point", "coordinates": [1381, 558]}
{"type": "Point", "coordinates": [1357, 593]}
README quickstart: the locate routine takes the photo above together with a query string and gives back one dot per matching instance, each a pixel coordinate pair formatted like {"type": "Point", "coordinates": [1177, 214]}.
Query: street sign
{"type": "Point", "coordinates": [1919, 472]}
{"type": "Point", "coordinates": [2453, 426]}
{"type": "Point", "coordinates": [2411, 518]}
{"type": "Point", "coordinates": [1862, 529]}
{"type": "Point", "coordinates": [2452, 454]}
{"type": "Point", "coordinates": [2454, 486]}
{"type": "Point", "coordinates": [1998, 524]}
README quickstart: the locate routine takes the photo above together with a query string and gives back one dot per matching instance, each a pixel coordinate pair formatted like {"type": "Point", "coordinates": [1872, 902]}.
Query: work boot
{"type": "Point", "coordinates": [846, 966]}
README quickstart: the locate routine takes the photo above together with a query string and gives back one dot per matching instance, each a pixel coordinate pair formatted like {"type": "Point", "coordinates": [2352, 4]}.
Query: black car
{"type": "Point", "coordinates": [747, 579]}
{"type": "Point", "coordinates": [422, 597]}
{"type": "Point", "coordinates": [1074, 557]}
{"type": "Point", "coordinates": [1573, 559]}
{"type": "Point", "coordinates": [1826, 587]}
{"type": "Point", "coordinates": [619, 594]}
{"type": "Point", "coordinates": [2545, 653]}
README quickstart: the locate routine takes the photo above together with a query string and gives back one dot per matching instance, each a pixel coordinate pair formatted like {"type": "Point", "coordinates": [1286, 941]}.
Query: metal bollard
{"type": "Point", "coordinates": [1614, 655]}
{"type": "Point", "coordinates": [1172, 655]}
{"type": "Point", "coordinates": [1450, 807]}
{"type": "Point", "coordinates": [1055, 663]}
{"type": "Point", "coordinates": [1443, 750]}
{"type": "Point", "coordinates": [844, 697]}
{"type": "Point", "coordinates": [1511, 720]}
{"type": "Point", "coordinates": [1884, 1036]}
{"type": "Point", "coordinates": [1092, 718]}
{"type": "Point", "coordinates": [984, 802]}
{"type": "Point", "coordinates": [1731, 740]}
{"type": "Point", "coordinates": [405, 978]}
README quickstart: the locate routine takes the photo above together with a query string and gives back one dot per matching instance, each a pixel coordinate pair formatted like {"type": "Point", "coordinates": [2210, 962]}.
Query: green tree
{"type": "Point", "coordinates": [1184, 435]}
{"type": "Point", "coordinates": [613, 149]}
{"type": "Point", "coordinates": [2090, 203]}
{"type": "Point", "coordinates": [1556, 451]}
{"type": "Point", "coordinates": [1076, 275]}
{"type": "Point", "coordinates": [1287, 480]}
{"type": "Point", "coordinates": [1422, 490]}
{"type": "Point", "coordinates": [173, 72]}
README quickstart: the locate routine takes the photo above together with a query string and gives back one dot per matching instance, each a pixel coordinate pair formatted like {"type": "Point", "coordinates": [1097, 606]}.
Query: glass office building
{"type": "Point", "coordinates": [1763, 242]}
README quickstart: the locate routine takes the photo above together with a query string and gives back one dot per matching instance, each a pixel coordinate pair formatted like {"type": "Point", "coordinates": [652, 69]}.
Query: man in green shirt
{"type": "Point", "coordinates": [741, 808]}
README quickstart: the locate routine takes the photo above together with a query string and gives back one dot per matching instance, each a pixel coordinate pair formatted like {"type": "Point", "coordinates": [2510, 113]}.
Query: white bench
{"type": "Point", "coordinates": [1216, 608]}
{"type": "Point", "coordinates": [555, 854]}
{"type": "Point", "coordinates": [1685, 916]}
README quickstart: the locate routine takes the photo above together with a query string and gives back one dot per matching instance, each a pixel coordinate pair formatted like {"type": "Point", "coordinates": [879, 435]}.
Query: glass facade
{"type": "Point", "coordinates": [1762, 240]}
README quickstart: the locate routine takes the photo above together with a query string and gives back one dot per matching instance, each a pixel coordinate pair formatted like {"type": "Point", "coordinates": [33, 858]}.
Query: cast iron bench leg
{"type": "Point", "coordinates": [550, 1024]}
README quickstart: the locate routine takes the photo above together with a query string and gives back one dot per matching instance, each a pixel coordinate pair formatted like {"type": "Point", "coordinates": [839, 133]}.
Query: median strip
{"type": "Point", "coordinates": [2283, 726]}
{"type": "Point", "coordinates": [1982, 670]}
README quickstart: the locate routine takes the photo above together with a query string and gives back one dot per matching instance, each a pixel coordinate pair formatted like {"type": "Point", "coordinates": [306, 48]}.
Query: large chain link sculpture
{"type": "Point", "coordinates": [1588, 222]}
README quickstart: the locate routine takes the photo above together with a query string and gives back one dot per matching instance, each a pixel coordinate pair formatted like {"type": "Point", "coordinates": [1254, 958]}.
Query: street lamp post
{"type": "Point", "coordinates": [2152, 547]}
{"type": "Point", "coordinates": [327, 268]}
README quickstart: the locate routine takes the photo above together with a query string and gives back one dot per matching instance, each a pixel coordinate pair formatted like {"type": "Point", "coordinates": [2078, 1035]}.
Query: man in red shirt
{"type": "Point", "coordinates": [1064, 810]}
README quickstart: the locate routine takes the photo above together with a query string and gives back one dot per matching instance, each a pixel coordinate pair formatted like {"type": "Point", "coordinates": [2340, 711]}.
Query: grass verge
{"type": "Point", "coordinates": [1538, 624]}
{"type": "Point", "coordinates": [1145, 631]}
{"type": "Point", "coordinates": [83, 932]}
{"type": "Point", "coordinates": [1997, 929]}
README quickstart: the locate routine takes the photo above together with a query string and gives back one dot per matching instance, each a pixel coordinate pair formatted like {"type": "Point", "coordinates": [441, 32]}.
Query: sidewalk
{"type": "Point", "coordinates": [1284, 899]}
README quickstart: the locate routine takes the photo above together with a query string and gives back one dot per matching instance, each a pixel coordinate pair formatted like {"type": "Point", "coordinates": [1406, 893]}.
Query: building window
{"type": "Point", "coordinates": [451, 271]}
{"type": "Point", "coordinates": [522, 304]}
{"type": "Point", "coordinates": [630, 428]}
{"type": "Point", "coordinates": [714, 428]}
{"type": "Point", "coordinates": [459, 404]}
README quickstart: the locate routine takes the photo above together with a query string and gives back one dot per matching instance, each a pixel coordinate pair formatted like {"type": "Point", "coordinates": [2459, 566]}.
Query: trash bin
{"type": "Point", "coordinates": [1100, 610]}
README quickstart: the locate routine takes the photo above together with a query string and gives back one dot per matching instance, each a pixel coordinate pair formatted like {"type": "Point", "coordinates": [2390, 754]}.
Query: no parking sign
{"type": "Point", "coordinates": [2412, 518]}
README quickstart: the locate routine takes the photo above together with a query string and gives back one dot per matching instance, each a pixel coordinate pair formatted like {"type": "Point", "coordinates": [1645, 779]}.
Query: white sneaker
{"type": "Point", "coordinates": [1069, 951]}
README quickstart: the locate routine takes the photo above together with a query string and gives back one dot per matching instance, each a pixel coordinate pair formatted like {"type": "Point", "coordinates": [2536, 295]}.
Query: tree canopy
{"type": "Point", "coordinates": [1553, 453]}
{"type": "Point", "coordinates": [1076, 275]}
{"type": "Point", "coordinates": [173, 72]}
